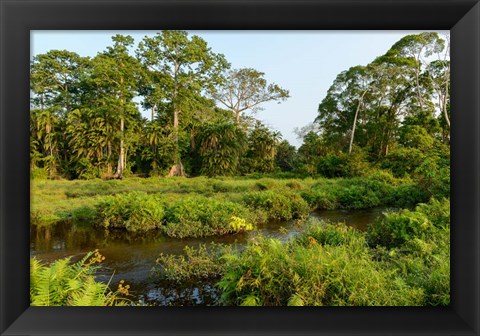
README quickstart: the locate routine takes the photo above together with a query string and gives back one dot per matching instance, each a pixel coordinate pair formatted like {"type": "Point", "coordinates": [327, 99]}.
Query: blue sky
{"type": "Point", "coordinates": [304, 62]}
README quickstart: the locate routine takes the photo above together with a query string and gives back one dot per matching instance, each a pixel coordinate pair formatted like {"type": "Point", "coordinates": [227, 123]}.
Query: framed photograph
{"type": "Point", "coordinates": [155, 155]}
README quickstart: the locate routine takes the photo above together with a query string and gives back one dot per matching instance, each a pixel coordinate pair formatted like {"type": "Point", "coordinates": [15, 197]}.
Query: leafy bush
{"type": "Point", "coordinates": [406, 195]}
{"type": "Point", "coordinates": [278, 204]}
{"type": "Point", "coordinates": [194, 264]}
{"type": "Point", "coordinates": [396, 228]}
{"type": "Point", "coordinates": [416, 245]}
{"type": "Point", "coordinates": [199, 216]}
{"type": "Point", "coordinates": [65, 284]}
{"type": "Point", "coordinates": [403, 161]}
{"type": "Point", "coordinates": [320, 199]}
{"type": "Point", "coordinates": [343, 165]}
{"type": "Point", "coordinates": [335, 270]}
{"type": "Point", "coordinates": [134, 211]}
{"type": "Point", "coordinates": [433, 176]}
{"type": "Point", "coordinates": [360, 193]}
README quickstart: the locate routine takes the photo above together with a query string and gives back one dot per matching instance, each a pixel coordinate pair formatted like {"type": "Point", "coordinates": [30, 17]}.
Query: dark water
{"type": "Point", "coordinates": [131, 257]}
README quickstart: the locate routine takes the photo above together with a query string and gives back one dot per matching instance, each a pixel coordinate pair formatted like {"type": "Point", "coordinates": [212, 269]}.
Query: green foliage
{"type": "Point", "coordinates": [38, 174]}
{"type": "Point", "coordinates": [343, 165]}
{"type": "Point", "coordinates": [140, 201]}
{"type": "Point", "coordinates": [416, 245]}
{"type": "Point", "coordinates": [262, 146]}
{"type": "Point", "coordinates": [220, 147]}
{"type": "Point", "coordinates": [319, 198]}
{"type": "Point", "coordinates": [309, 153]}
{"type": "Point", "coordinates": [278, 205]}
{"type": "Point", "coordinates": [335, 270]}
{"type": "Point", "coordinates": [198, 216]}
{"type": "Point", "coordinates": [407, 263]}
{"type": "Point", "coordinates": [286, 156]}
{"type": "Point", "coordinates": [195, 264]}
{"type": "Point", "coordinates": [133, 211]}
{"type": "Point", "coordinates": [63, 283]}
{"type": "Point", "coordinates": [403, 161]}
{"type": "Point", "coordinates": [397, 228]}
{"type": "Point", "coordinates": [433, 176]}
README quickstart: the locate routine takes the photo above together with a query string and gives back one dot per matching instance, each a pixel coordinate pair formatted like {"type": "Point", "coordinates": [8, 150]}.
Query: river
{"type": "Point", "coordinates": [131, 256]}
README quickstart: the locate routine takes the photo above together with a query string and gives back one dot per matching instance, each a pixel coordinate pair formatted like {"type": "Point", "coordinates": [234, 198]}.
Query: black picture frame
{"type": "Point", "coordinates": [18, 17]}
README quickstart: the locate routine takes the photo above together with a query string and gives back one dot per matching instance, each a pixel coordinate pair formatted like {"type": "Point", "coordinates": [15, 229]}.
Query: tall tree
{"type": "Point", "coordinates": [55, 78]}
{"type": "Point", "coordinates": [246, 89]}
{"type": "Point", "coordinates": [186, 67]}
{"type": "Point", "coordinates": [411, 52]}
{"type": "Point", "coordinates": [116, 74]}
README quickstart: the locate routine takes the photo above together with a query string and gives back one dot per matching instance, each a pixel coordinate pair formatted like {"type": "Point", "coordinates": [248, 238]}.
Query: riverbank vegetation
{"type": "Point", "coordinates": [402, 260]}
{"type": "Point", "coordinates": [198, 207]}
{"type": "Point", "coordinates": [195, 169]}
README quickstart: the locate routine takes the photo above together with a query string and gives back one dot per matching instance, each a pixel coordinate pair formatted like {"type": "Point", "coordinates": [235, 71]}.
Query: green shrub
{"type": "Point", "coordinates": [407, 195]}
{"type": "Point", "coordinates": [361, 193]}
{"type": "Point", "coordinates": [403, 161]}
{"type": "Point", "coordinates": [278, 204]}
{"type": "Point", "coordinates": [199, 216]}
{"type": "Point", "coordinates": [422, 261]}
{"type": "Point", "coordinates": [331, 234]}
{"type": "Point", "coordinates": [134, 211]}
{"type": "Point", "coordinates": [194, 264]}
{"type": "Point", "coordinates": [335, 270]}
{"type": "Point", "coordinates": [84, 214]}
{"type": "Point", "coordinates": [344, 165]}
{"type": "Point", "coordinates": [433, 176]}
{"type": "Point", "coordinates": [331, 166]}
{"type": "Point", "coordinates": [320, 199]}
{"type": "Point", "coordinates": [396, 228]}
{"type": "Point", "coordinates": [294, 185]}
{"type": "Point", "coordinates": [65, 284]}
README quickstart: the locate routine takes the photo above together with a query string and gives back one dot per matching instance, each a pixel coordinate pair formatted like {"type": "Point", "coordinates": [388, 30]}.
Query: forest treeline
{"type": "Point", "coordinates": [392, 114]}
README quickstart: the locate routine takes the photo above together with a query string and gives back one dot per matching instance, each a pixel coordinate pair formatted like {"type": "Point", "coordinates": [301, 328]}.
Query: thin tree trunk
{"type": "Point", "coordinates": [418, 91]}
{"type": "Point", "coordinates": [360, 101]}
{"type": "Point", "coordinates": [109, 163]}
{"type": "Point", "coordinates": [121, 160]}
{"type": "Point", "coordinates": [237, 117]}
{"type": "Point", "coordinates": [417, 74]}
{"type": "Point", "coordinates": [445, 99]}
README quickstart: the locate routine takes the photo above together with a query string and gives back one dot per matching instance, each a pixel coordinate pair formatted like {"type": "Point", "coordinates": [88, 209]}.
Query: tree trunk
{"type": "Point", "coordinates": [420, 101]}
{"type": "Point", "coordinates": [121, 155]}
{"type": "Point", "coordinates": [355, 122]}
{"type": "Point", "coordinates": [445, 99]}
{"type": "Point", "coordinates": [237, 117]}
{"type": "Point", "coordinates": [109, 163]}
{"type": "Point", "coordinates": [417, 74]}
{"type": "Point", "coordinates": [177, 170]}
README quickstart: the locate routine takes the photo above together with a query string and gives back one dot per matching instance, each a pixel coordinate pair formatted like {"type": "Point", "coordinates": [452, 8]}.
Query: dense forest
{"type": "Point", "coordinates": [391, 114]}
{"type": "Point", "coordinates": [258, 221]}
